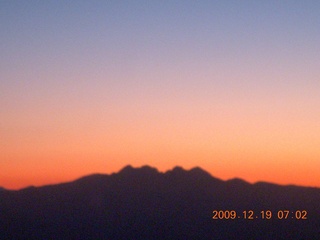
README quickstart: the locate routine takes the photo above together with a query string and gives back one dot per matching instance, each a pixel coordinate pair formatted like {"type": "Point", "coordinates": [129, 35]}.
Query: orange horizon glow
{"type": "Point", "coordinates": [244, 142]}
{"type": "Point", "coordinates": [248, 143]}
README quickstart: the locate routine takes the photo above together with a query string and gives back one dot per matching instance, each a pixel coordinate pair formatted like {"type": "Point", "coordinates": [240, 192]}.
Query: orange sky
{"type": "Point", "coordinates": [231, 87]}
{"type": "Point", "coordinates": [249, 142]}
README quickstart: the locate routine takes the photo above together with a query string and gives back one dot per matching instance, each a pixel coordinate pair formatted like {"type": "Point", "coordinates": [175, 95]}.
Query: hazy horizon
{"type": "Point", "coordinates": [92, 86]}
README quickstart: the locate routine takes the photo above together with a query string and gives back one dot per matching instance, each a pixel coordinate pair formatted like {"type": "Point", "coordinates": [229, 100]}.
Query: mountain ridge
{"type": "Point", "coordinates": [143, 203]}
{"type": "Point", "coordinates": [129, 169]}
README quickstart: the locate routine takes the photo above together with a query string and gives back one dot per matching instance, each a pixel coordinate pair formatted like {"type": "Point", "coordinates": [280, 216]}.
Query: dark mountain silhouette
{"type": "Point", "coordinates": [142, 203]}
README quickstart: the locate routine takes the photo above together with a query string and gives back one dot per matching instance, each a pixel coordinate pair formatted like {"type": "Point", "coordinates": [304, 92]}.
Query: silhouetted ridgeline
{"type": "Point", "coordinates": [141, 203]}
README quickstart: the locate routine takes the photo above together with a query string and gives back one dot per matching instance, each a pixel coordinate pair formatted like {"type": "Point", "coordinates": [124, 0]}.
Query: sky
{"type": "Point", "coordinates": [92, 86]}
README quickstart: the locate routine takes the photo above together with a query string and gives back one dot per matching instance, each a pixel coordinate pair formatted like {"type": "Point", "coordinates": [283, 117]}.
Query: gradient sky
{"type": "Point", "coordinates": [91, 86]}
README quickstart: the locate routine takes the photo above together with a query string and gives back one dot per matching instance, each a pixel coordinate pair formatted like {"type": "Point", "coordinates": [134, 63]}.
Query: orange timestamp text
{"type": "Point", "coordinates": [264, 214]}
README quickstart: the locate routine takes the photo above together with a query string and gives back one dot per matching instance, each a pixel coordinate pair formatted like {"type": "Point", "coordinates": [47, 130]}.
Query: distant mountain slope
{"type": "Point", "coordinates": [142, 203]}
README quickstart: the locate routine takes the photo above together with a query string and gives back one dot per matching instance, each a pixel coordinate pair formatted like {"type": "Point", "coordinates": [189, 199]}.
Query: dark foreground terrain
{"type": "Point", "coordinates": [142, 203]}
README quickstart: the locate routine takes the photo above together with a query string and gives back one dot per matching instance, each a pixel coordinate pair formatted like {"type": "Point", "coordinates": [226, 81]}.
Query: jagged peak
{"type": "Point", "coordinates": [198, 170]}
{"type": "Point", "coordinates": [175, 170]}
{"type": "Point", "coordinates": [126, 169]}
{"type": "Point", "coordinates": [178, 169]}
{"type": "Point", "coordinates": [193, 173]}
{"type": "Point", "coordinates": [148, 168]}
{"type": "Point", "coordinates": [144, 169]}
{"type": "Point", "coordinates": [238, 181]}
